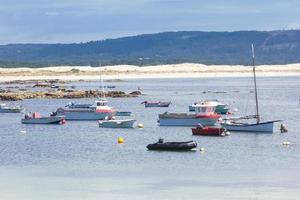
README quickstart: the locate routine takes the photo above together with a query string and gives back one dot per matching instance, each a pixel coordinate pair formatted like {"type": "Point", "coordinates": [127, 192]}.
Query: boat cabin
{"type": "Point", "coordinates": [34, 115]}
{"type": "Point", "coordinates": [204, 109]}
{"type": "Point", "coordinates": [101, 102]}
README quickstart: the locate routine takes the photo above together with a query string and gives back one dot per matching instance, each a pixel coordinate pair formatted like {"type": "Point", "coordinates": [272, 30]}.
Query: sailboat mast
{"type": "Point", "coordinates": [101, 82]}
{"type": "Point", "coordinates": [255, 87]}
{"type": "Point", "coordinates": [102, 87]}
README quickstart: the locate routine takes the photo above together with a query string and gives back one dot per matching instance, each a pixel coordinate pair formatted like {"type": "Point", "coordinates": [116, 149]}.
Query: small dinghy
{"type": "Point", "coordinates": [156, 104]}
{"type": "Point", "coordinates": [172, 146]}
{"type": "Point", "coordinates": [117, 123]}
{"type": "Point", "coordinates": [208, 130]}
{"type": "Point", "coordinates": [35, 118]}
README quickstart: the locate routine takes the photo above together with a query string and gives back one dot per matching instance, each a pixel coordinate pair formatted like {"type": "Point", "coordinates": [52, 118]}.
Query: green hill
{"type": "Point", "coordinates": [272, 47]}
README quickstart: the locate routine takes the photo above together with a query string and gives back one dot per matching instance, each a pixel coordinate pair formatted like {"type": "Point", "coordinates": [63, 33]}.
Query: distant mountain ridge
{"type": "Point", "coordinates": [272, 47]}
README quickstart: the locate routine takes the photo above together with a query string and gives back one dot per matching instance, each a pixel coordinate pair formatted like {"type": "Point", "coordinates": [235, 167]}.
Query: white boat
{"type": "Point", "coordinates": [99, 111]}
{"type": "Point", "coordinates": [204, 114]}
{"type": "Point", "coordinates": [35, 118]}
{"type": "Point", "coordinates": [117, 123]}
{"type": "Point", "coordinates": [258, 126]}
{"type": "Point", "coordinates": [6, 109]}
{"type": "Point", "coordinates": [266, 127]}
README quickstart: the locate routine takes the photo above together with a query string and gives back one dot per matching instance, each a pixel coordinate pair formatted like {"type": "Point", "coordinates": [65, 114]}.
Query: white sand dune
{"type": "Point", "coordinates": [158, 71]}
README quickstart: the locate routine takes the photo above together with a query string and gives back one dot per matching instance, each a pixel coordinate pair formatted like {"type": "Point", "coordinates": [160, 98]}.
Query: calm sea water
{"type": "Point", "coordinates": [79, 160]}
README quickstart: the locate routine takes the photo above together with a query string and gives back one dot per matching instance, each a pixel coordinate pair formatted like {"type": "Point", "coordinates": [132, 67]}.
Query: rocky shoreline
{"type": "Point", "coordinates": [53, 89]}
{"type": "Point", "coordinates": [62, 94]}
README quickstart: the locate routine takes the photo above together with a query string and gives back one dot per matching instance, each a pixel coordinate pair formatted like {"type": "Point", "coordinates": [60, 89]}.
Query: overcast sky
{"type": "Point", "coordinates": [65, 21]}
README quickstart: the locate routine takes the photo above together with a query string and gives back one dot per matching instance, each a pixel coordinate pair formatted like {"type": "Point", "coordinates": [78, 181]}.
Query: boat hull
{"type": "Point", "coordinates": [123, 113]}
{"type": "Point", "coordinates": [150, 105]}
{"type": "Point", "coordinates": [84, 114]}
{"type": "Point", "coordinates": [264, 127]}
{"type": "Point", "coordinates": [208, 131]}
{"type": "Point", "coordinates": [187, 122]}
{"type": "Point", "coordinates": [129, 123]}
{"type": "Point", "coordinates": [184, 119]}
{"type": "Point", "coordinates": [172, 146]}
{"type": "Point", "coordinates": [43, 120]}
{"type": "Point", "coordinates": [11, 110]}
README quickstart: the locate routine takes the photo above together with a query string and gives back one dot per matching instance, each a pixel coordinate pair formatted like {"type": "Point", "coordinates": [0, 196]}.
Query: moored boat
{"type": "Point", "coordinates": [256, 127]}
{"type": "Point", "coordinates": [208, 130]}
{"type": "Point", "coordinates": [156, 104]}
{"type": "Point", "coordinates": [35, 118]}
{"type": "Point", "coordinates": [204, 114]}
{"type": "Point", "coordinates": [99, 111]}
{"type": "Point", "coordinates": [172, 146]}
{"type": "Point", "coordinates": [233, 125]}
{"type": "Point", "coordinates": [117, 123]}
{"type": "Point", "coordinates": [6, 109]}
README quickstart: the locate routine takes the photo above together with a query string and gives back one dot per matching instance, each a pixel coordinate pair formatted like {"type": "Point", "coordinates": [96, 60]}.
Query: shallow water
{"type": "Point", "coordinates": [79, 160]}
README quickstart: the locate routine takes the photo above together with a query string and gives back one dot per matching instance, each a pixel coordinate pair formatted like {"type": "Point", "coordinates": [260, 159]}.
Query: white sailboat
{"type": "Point", "coordinates": [258, 126]}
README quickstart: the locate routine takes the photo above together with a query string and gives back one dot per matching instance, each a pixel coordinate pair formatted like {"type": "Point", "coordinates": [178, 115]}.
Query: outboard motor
{"type": "Point", "coordinates": [160, 140]}
{"type": "Point", "coordinates": [283, 128]}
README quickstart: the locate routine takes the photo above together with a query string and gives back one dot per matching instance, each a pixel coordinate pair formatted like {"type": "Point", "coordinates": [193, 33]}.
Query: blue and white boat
{"type": "Point", "coordinates": [204, 114]}
{"type": "Point", "coordinates": [266, 127]}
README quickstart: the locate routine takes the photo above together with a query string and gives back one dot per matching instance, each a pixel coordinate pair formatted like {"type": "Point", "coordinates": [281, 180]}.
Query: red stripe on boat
{"type": "Point", "coordinates": [102, 110]}
{"type": "Point", "coordinates": [209, 116]}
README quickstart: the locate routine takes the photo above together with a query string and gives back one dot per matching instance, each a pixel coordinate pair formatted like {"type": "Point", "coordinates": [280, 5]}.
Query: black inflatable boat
{"type": "Point", "coordinates": [172, 146]}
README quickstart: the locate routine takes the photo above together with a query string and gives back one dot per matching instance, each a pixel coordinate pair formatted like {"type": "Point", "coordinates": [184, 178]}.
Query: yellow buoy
{"type": "Point", "coordinates": [140, 125]}
{"type": "Point", "coordinates": [286, 143]}
{"type": "Point", "coordinates": [120, 140]}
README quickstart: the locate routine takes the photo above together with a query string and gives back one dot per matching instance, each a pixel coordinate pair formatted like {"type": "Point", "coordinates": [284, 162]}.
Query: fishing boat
{"type": "Point", "coordinates": [204, 114]}
{"type": "Point", "coordinates": [98, 111]}
{"type": "Point", "coordinates": [258, 126]}
{"type": "Point", "coordinates": [117, 123]}
{"type": "Point", "coordinates": [220, 108]}
{"type": "Point", "coordinates": [156, 104]}
{"type": "Point", "coordinates": [172, 146]}
{"type": "Point", "coordinates": [36, 118]}
{"type": "Point", "coordinates": [6, 109]}
{"type": "Point", "coordinates": [208, 130]}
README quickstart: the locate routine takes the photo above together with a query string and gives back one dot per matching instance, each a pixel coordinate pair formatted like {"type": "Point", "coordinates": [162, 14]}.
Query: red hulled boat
{"type": "Point", "coordinates": [208, 131]}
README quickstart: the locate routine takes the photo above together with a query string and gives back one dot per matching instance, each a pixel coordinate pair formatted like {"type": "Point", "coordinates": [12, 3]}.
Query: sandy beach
{"type": "Point", "coordinates": [159, 71]}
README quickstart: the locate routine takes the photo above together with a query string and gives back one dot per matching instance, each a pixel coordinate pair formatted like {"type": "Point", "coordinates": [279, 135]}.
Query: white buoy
{"type": "Point", "coordinates": [227, 133]}
{"type": "Point", "coordinates": [202, 149]}
{"type": "Point", "coordinates": [23, 131]}
{"type": "Point", "coordinates": [286, 143]}
{"type": "Point", "coordinates": [235, 109]}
